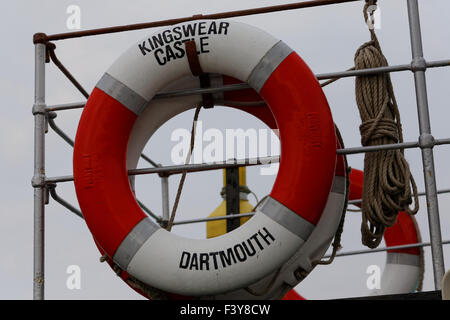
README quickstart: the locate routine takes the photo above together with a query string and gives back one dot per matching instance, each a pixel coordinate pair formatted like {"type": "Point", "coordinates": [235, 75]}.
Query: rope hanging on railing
{"type": "Point", "coordinates": [207, 102]}
{"type": "Point", "coordinates": [388, 183]}
{"type": "Point", "coordinates": [183, 175]}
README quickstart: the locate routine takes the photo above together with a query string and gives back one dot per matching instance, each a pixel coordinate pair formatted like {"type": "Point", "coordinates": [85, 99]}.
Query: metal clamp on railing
{"type": "Point", "coordinates": [419, 64]}
{"type": "Point", "coordinates": [426, 140]}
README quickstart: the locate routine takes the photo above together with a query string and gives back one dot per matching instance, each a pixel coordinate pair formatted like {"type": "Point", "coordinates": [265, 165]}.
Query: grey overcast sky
{"type": "Point", "coordinates": [326, 38]}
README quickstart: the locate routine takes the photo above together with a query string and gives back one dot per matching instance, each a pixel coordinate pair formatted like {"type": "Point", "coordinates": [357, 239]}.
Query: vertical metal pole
{"type": "Point", "coordinates": [38, 180]}
{"type": "Point", "coordinates": [232, 197]}
{"type": "Point", "coordinates": [165, 199]}
{"type": "Point", "coordinates": [426, 142]}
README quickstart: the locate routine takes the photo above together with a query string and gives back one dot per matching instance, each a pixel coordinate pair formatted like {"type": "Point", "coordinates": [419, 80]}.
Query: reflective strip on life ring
{"type": "Point", "coordinates": [318, 242]}
{"type": "Point", "coordinates": [403, 266]}
{"type": "Point", "coordinates": [164, 260]}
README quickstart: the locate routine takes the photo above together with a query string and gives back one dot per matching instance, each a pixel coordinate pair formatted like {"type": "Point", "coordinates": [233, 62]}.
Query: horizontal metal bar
{"type": "Point", "coordinates": [161, 23]}
{"type": "Point", "coordinates": [199, 91]}
{"type": "Point", "coordinates": [439, 142]}
{"type": "Point", "coordinates": [393, 146]}
{"type": "Point", "coordinates": [66, 106]}
{"type": "Point", "coordinates": [165, 95]}
{"type": "Point", "coordinates": [363, 72]}
{"type": "Point", "coordinates": [266, 160]}
{"type": "Point", "coordinates": [58, 179]}
{"type": "Point", "coordinates": [229, 216]}
{"type": "Point", "coordinates": [242, 215]}
{"type": "Point", "coordinates": [324, 76]}
{"type": "Point", "coordinates": [378, 70]}
{"type": "Point", "coordinates": [438, 63]}
{"type": "Point", "coordinates": [252, 213]}
{"type": "Point", "coordinates": [169, 170]}
{"type": "Point", "coordinates": [242, 86]}
{"type": "Point", "coordinates": [365, 251]}
{"type": "Point", "coordinates": [420, 194]}
{"type": "Point", "coordinates": [177, 169]}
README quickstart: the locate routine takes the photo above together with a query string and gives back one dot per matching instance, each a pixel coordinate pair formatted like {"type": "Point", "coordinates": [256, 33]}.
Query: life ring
{"type": "Point", "coordinates": [319, 241]}
{"type": "Point", "coordinates": [279, 228]}
{"type": "Point", "coordinates": [404, 267]}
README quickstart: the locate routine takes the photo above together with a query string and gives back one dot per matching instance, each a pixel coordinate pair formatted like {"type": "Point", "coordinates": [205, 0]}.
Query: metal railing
{"type": "Point", "coordinates": [44, 115]}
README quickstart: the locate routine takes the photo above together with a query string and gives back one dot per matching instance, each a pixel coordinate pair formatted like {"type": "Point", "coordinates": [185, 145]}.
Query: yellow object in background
{"type": "Point", "coordinates": [219, 227]}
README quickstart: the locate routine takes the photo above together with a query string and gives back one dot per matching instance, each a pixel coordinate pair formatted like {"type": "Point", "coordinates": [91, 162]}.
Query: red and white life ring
{"type": "Point", "coordinates": [403, 267]}
{"type": "Point", "coordinates": [279, 228]}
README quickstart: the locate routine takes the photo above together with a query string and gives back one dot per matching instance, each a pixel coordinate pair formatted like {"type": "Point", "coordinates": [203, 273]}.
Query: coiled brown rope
{"type": "Point", "coordinates": [388, 183]}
